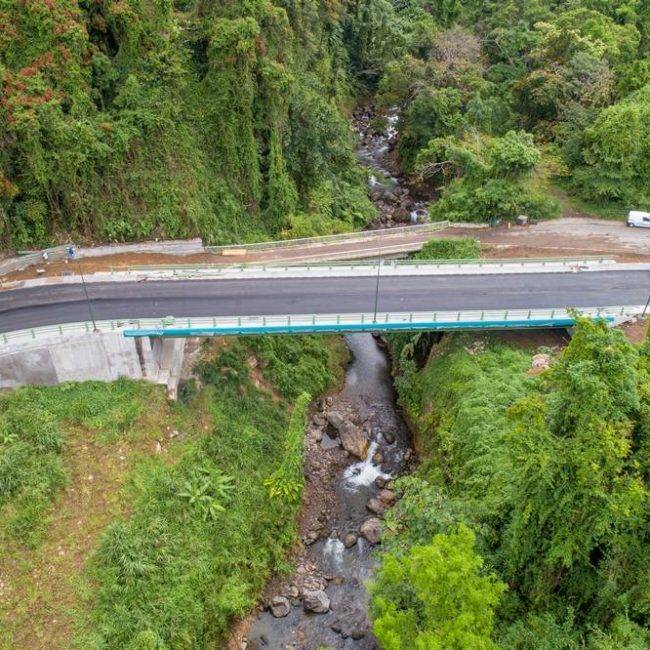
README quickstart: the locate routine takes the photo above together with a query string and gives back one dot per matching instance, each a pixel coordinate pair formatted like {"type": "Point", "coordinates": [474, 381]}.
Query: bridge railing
{"type": "Point", "coordinates": [384, 321]}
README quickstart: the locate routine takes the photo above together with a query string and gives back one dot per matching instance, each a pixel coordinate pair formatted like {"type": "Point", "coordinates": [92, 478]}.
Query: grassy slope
{"type": "Point", "coordinates": [120, 555]}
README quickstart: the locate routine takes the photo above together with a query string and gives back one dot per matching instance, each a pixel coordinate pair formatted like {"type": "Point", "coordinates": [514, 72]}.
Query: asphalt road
{"type": "Point", "coordinates": [56, 304]}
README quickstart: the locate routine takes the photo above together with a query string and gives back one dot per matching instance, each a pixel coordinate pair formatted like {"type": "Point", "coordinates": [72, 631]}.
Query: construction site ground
{"type": "Point", "coordinates": [566, 237]}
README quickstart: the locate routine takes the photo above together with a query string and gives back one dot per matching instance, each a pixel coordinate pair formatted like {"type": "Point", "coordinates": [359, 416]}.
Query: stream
{"type": "Point", "coordinates": [337, 524]}
{"type": "Point", "coordinates": [388, 190]}
{"type": "Point", "coordinates": [355, 444]}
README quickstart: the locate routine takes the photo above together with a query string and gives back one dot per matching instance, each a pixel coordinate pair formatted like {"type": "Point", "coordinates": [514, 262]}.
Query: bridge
{"type": "Point", "coordinates": [176, 303]}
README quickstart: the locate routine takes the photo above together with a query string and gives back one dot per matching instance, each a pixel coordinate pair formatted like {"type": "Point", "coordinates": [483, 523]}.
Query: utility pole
{"type": "Point", "coordinates": [88, 302]}
{"type": "Point", "coordinates": [374, 320]}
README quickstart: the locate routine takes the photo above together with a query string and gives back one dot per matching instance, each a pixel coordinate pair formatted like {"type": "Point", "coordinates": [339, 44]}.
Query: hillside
{"type": "Point", "coordinates": [134, 119]}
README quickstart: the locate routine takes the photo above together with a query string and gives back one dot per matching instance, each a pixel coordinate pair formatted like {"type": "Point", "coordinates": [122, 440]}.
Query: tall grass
{"type": "Point", "coordinates": [33, 438]}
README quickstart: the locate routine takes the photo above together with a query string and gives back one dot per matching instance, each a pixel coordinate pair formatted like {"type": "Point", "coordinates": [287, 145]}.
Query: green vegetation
{"type": "Point", "coordinates": [129, 119]}
{"type": "Point", "coordinates": [33, 445]}
{"type": "Point", "coordinates": [286, 482]}
{"type": "Point", "coordinates": [478, 79]}
{"type": "Point", "coordinates": [549, 471]}
{"type": "Point", "coordinates": [192, 530]}
{"type": "Point", "coordinates": [125, 119]}
{"type": "Point", "coordinates": [463, 248]}
{"type": "Point", "coordinates": [435, 597]}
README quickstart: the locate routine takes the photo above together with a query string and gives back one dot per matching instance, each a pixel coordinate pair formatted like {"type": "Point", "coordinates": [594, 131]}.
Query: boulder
{"type": "Point", "coordinates": [388, 436]}
{"type": "Point", "coordinates": [541, 362]}
{"type": "Point", "coordinates": [353, 439]}
{"type": "Point", "coordinates": [311, 537]}
{"type": "Point", "coordinates": [316, 601]}
{"type": "Point", "coordinates": [318, 420]}
{"type": "Point", "coordinates": [351, 622]}
{"type": "Point", "coordinates": [376, 506]}
{"type": "Point", "coordinates": [350, 539]}
{"type": "Point", "coordinates": [336, 420]}
{"type": "Point", "coordinates": [402, 215]}
{"type": "Point", "coordinates": [387, 497]}
{"type": "Point", "coordinates": [380, 482]}
{"type": "Point", "coordinates": [371, 530]}
{"type": "Point", "coordinates": [280, 606]}
{"type": "Point", "coordinates": [313, 582]}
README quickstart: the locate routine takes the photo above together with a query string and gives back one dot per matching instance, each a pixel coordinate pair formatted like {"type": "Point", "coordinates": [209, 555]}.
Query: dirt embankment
{"type": "Point", "coordinates": [567, 237]}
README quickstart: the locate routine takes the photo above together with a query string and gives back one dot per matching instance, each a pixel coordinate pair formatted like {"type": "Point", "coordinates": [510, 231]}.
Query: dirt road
{"type": "Point", "coordinates": [567, 236]}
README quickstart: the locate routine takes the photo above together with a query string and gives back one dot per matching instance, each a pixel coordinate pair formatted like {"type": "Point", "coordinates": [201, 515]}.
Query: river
{"type": "Point", "coordinates": [343, 489]}
{"type": "Point", "coordinates": [340, 487]}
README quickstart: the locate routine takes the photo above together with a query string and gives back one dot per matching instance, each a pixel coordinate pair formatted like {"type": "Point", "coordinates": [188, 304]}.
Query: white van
{"type": "Point", "coordinates": [638, 219]}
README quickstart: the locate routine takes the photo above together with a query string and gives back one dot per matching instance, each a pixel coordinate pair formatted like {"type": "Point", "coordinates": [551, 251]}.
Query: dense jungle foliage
{"type": "Point", "coordinates": [535, 488]}
{"type": "Point", "coordinates": [498, 97]}
{"type": "Point", "coordinates": [163, 550]}
{"type": "Point", "coordinates": [125, 119]}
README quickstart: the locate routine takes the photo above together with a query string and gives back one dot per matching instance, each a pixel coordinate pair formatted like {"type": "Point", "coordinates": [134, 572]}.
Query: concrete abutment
{"type": "Point", "coordinates": [93, 356]}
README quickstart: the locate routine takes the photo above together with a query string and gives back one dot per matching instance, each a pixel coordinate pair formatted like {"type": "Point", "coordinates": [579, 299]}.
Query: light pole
{"type": "Point", "coordinates": [88, 302]}
{"type": "Point", "coordinates": [374, 319]}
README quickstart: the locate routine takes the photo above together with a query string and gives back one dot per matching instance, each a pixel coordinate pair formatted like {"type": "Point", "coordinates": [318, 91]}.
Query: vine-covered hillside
{"type": "Point", "coordinates": [126, 119]}
{"type": "Point", "coordinates": [138, 118]}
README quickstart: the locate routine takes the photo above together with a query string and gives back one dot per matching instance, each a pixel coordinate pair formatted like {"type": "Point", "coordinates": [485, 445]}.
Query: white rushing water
{"type": "Point", "coordinates": [364, 473]}
{"type": "Point", "coordinates": [333, 551]}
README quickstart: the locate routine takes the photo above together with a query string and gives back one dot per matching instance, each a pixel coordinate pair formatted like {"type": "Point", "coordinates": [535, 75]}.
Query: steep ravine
{"type": "Point", "coordinates": [356, 442]}
{"type": "Point", "coordinates": [376, 151]}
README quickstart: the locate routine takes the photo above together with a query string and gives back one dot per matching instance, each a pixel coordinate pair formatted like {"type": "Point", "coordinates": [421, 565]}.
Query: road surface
{"type": "Point", "coordinates": [58, 304]}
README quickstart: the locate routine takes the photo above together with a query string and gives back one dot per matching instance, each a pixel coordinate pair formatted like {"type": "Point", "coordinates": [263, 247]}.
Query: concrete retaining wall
{"type": "Point", "coordinates": [96, 356]}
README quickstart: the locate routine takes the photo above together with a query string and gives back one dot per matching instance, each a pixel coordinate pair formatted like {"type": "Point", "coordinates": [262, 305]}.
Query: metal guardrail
{"type": "Point", "coordinates": [416, 264]}
{"type": "Point", "coordinates": [367, 322]}
{"type": "Point", "coordinates": [327, 239]}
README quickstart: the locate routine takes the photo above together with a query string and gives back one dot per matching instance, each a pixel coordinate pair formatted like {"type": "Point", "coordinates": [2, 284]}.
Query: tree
{"type": "Point", "coordinates": [514, 154]}
{"type": "Point", "coordinates": [577, 501]}
{"type": "Point", "coordinates": [436, 597]}
{"type": "Point", "coordinates": [617, 151]}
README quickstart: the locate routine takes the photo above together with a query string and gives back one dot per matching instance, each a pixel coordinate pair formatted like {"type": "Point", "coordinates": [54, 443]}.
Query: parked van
{"type": "Point", "coordinates": [638, 219]}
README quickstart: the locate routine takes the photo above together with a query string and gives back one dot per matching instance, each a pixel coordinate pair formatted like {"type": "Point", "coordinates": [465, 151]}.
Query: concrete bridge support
{"type": "Point", "coordinates": [93, 356]}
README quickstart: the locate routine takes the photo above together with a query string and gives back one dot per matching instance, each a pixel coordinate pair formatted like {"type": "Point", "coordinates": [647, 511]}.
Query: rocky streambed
{"type": "Point", "coordinates": [356, 444]}
{"type": "Point", "coordinates": [393, 198]}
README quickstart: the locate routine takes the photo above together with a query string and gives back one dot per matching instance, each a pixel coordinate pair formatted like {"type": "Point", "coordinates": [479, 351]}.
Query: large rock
{"type": "Point", "coordinates": [280, 606]}
{"type": "Point", "coordinates": [350, 539]}
{"type": "Point", "coordinates": [351, 621]}
{"type": "Point", "coordinates": [387, 497]}
{"type": "Point", "coordinates": [402, 215]}
{"type": "Point", "coordinates": [353, 439]}
{"type": "Point", "coordinates": [376, 506]}
{"type": "Point", "coordinates": [371, 530]}
{"type": "Point", "coordinates": [316, 601]}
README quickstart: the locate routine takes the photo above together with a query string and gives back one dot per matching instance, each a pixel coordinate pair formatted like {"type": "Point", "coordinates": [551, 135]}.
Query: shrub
{"type": "Point", "coordinates": [286, 482]}
{"type": "Point", "coordinates": [464, 248]}
{"type": "Point", "coordinates": [435, 596]}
